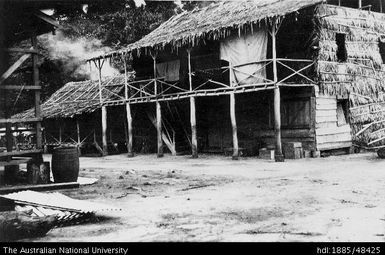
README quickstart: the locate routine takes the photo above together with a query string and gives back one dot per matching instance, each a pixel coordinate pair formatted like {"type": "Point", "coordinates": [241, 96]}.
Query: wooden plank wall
{"type": "Point", "coordinates": [328, 134]}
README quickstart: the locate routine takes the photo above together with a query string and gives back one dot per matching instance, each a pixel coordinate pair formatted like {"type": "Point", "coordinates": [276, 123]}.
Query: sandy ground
{"type": "Point", "coordinates": [339, 198]}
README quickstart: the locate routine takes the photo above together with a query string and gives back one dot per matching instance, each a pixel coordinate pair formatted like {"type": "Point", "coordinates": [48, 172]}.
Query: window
{"type": "Point", "coordinates": [342, 54]}
{"type": "Point", "coordinates": [381, 45]}
{"type": "Point", "coordinates": [342, 112]}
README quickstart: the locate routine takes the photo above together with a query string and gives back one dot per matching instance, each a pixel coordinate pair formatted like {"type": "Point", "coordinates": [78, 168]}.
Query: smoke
{"type": "Point", "coordinates": [74, 52]}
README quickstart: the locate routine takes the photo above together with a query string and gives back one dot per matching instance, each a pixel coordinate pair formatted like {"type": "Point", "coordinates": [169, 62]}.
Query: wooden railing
{"type": "Point", "coordinates": [215, 81]}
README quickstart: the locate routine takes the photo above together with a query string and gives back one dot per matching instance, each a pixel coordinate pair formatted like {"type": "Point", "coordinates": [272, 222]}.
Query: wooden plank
{"type": "Point", "coordinates": [333, 130]}
{"type": "Point", "coordinates": [21, 50]}
{"type": "Point", "coordinates": [19, 87]}
{"type": "Point", "coordinates": [343, 137]}
{"type": "Point", "coordinates": [327, 124]}
{"type": "Point", "coordinates": [13, 67]}
{"type": "Point", "coordinates": [18, 153]}
{"type": "Point", "coordinates": [321, 107]}
{"type": "Point", "coordinates": [26, 120]}
{"type": "Point", "coordinates": [320, 119]}
{"type": "Point", "coordinates": [334, 145]}
{"type": "Point", "coordinates": [40, 187]}
{"type": "Point", "coordinates": [326, 113]}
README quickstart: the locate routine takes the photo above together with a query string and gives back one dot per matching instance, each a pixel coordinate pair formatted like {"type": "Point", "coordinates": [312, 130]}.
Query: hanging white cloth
{"type": "Point", "coordinates": [245, 49]}
{"type": "Point", "coordinates": [169, 70]}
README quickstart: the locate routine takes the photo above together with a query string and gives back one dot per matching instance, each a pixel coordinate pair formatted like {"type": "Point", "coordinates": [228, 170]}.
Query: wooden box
{"type": "Point", "coordinates": [292, 150]}
{"type": "Point", "coordinates": [266, 154]}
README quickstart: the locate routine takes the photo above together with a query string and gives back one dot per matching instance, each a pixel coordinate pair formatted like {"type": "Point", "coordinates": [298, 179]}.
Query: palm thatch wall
{"type": "Point", "coordinates": [361, 77]}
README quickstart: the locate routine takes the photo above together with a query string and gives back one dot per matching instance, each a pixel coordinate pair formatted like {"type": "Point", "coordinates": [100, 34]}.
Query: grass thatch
{"type": "Point", "coordinates": [214, 22]}
{"type": "Point", "coordinates": [76, 98]}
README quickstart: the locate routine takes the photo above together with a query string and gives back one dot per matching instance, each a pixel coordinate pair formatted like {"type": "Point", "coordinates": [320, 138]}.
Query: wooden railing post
{"type": "Point", "coordinates": [233, 115]}
{"type": "Point", "coordinates": [277, 99]}
{"type": "Point", "coordinates": [128, 112]}
{"type": "Point", "coordinates": [104, 111]}
{"type": "Point", "coordinates": [194, 141]}
{"type": "Point", "coordinates": [158, 115]}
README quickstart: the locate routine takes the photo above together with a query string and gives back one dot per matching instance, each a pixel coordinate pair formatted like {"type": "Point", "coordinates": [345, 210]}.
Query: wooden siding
{"type": "Point", "coordinates": [328, 134]}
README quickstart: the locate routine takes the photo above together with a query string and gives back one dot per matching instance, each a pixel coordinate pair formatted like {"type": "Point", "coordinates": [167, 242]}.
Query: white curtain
{"type": "Point", "coordinates": [245, 49]}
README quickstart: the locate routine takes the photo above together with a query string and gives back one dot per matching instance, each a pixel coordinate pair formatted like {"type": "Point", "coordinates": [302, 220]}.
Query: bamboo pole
{"type": "Point", "coordinates": [359, 4]}
{"type": "Point", "coordinates": [128, 113]}
{"type": "Point", "coordinates": [233, 116]}
{"type": "Point", "coordinates": [277, 100]}
{"type": "Point", "coordinates": [60, 135]}
{"type": "Point", "coordinates": [381, 5]}
{"type": "Point", "coordinates": [104, 112]}
{"type": "Point", "coordinates": [158, 115]}
{"type": "Point", "coordinates": [194, 142]}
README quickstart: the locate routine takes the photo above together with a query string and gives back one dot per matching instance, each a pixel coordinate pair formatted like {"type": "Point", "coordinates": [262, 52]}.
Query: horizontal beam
{"type": "Point", "coordinates": [25, 51]}
{"type": "Point", "coordinates": [15, 162]}
{"type": "Point", "coordinates": [18, 153]}
{"type": "Point", "coordinates": [13, 121]}
{"type": "Point", "coordinates": [18, 87]}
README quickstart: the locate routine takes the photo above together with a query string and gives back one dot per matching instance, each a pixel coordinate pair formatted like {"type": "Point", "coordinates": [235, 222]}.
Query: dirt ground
{"type": "Point", "coordinates": [213, 198]}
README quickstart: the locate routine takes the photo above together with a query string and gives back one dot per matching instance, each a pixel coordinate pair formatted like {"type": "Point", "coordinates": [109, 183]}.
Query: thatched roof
{"type": "Point", "coordinates": [76, 98]}
{"type": "Point", "coordinates": [213, 22]}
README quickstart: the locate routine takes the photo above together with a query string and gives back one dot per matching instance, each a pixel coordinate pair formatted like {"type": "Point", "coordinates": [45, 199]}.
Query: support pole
{"type": "Point", "coordinates": [381, 5]}
{"type": "Point", "coordinates": [128, 113]}
{"type": "Point", "coordinates": [104, 130]}
{"type": "Point", "coordinates": [78, 134]}
{"type": "Point", "coordinates": [359, 4]}
{"type": "Point", "coordinates": [104, 111]}
{"type": "Point", "coordinates": [158, 115]}
{"type": "Point", "coordinates": [39, 137]}
{"type": "Point", "coordinates": [277, 100]}
{"type": "Point", "coordinates": [60, 135]}
{"type": "Point", "coordinates": [194, 142]}
{"type": "Point", "coordinates": [233, 116]}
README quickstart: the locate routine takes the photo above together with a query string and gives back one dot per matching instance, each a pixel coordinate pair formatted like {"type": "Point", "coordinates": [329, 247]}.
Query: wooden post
{"type": "Point", "coordinates": [104, 130]}
{"type": "Point", "coordinates": [233, 116]}
{"type": "Point", "coordinates": [78, 135]}
{"type": "Point", "coordinates": [60, 135]}
{"type": "Point", "coordinates": [277, 100]}
{"type": "Point", "coordinates": [128, 113]}
{"type": "Point", "coordinates": [381, 5]}
{"type": "Point", "coordinates": [158, 115]}
{"type": "Point", "coordinates": [359, 4]}
{"type": "Point", "coordinates": [104, 111]}
{"type": "Point", "coordinates": [194, 142]}
{"type": "Point", "coordinates": [37, 93]}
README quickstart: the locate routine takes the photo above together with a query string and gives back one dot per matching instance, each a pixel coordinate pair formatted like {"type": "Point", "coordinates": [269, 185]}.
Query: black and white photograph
{"type": "Point", "coordinates": [258, 121]}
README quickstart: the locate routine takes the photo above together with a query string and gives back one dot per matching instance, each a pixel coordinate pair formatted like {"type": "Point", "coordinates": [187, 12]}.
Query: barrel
{"type": "Point", "coordinates": [65, 164]}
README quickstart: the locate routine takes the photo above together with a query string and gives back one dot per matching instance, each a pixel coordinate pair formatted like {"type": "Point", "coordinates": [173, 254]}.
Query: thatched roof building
{"type": "Point", "coordinates": [76, 98]}
{"type": "Point", "coordinates": [213, 22]}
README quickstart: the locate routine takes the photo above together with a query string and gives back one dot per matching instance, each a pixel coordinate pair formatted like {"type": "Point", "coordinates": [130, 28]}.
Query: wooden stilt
{"type": "Point", "coordinates": [194, 142]}
{"type": "Point", "coordinates": [39, 138]}
{"type": "Point", "coordinates": [158, 115]}
{"type": "Point", "coordinates": [60, 135]}
{"type": "Point", "coordinates": [277, 100]}
{"type": "Point", "coordinates": [78, 135]}
{"type": "Point", "coordinates": [128, 113]}
{"type": "Point", "coordinates": [381, 5]}
{"type": "Point", "coordinates": [104, 110]}
{"type": "Point", "coordinates": [233, 116]}
{"type": "Point", "coordinates": [104, 130]}
{"type": "Point", "coordinates": [159, 129]}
